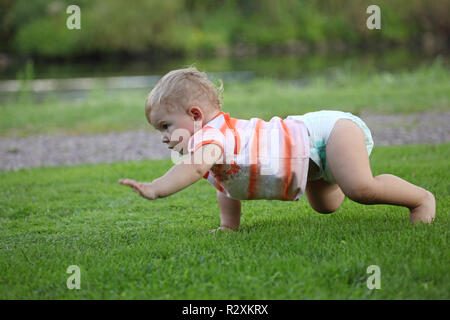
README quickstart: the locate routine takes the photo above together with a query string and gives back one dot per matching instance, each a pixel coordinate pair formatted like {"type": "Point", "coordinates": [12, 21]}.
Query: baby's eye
{"type": "Point", "coordinates": [164, 126]}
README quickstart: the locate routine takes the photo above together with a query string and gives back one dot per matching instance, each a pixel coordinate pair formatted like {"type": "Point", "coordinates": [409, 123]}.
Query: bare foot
{"type": "Point", "coordinates": [425, 212]}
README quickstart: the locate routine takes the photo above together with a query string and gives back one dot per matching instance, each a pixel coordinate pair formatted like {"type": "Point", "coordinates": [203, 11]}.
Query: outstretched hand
{"type": "Point", "coordinates": [144, 189]}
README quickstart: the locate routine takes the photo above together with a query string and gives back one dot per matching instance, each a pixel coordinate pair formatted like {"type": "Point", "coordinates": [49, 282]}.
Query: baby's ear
{"type": "Point", "coordinates": [196, 112]}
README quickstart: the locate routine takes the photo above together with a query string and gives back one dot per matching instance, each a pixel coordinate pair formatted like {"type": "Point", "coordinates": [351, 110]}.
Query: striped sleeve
{"type": "Point", "coordinates": [207, 135]}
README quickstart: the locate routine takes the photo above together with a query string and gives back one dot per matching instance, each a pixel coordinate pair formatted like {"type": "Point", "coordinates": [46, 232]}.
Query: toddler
{"type": "Point", "coordinates": [324, 154]}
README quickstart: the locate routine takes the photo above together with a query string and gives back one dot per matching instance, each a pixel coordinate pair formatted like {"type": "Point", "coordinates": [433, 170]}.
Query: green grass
{"type": "Point", "coordinates": [427, 88]}
{"type": "Point", "coordinates": [129, 248]}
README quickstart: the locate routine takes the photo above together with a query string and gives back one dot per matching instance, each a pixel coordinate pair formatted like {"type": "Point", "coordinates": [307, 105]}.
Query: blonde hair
{"type": "Point", "coordinates": [180, 89]}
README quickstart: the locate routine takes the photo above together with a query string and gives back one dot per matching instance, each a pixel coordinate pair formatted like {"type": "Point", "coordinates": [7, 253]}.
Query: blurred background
{"type": "Point", "coordinates": [273, 38]}
{"type": "Point", "coordinates": [275, 58]}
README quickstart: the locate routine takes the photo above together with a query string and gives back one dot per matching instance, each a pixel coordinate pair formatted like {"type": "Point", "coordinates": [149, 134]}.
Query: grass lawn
{"type": "Point", "coordinates": [426, 88]}
{"type": "Point", "coordinates": [131, 248]}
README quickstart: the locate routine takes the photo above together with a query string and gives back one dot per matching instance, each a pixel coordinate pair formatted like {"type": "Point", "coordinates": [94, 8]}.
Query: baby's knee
{"type": "Point", "coordinates": [325, 210]}
{"type": "Point", "coordinates": [329, 206]}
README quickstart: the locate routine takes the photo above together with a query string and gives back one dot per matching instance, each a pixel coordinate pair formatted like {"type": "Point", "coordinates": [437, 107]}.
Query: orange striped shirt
{"type": "Point", "coordinates": [260, 160]}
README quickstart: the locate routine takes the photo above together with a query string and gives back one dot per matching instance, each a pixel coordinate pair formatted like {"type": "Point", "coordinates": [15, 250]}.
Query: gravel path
{"type": "Point", "coordinates": [417, 128]}
{"type": "Point", "coordinates": [44, 150]}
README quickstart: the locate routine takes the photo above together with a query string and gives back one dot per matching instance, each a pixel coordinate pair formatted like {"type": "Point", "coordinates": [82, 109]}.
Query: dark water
{"type": "Point", "coordinates": [280, 66]}
{"type": "Point", "coordinates": [226, 68]}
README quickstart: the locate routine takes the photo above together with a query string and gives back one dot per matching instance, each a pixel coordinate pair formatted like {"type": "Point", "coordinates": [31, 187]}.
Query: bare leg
{"type": "Point", "coordinates": [349, 164]}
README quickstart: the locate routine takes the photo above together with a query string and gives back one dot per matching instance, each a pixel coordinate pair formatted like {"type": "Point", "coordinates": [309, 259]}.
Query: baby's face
{"type": "Point", "coordinates": [176, 127]}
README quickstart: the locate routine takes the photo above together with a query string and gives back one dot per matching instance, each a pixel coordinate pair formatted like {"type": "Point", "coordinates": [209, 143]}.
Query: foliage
{"type": "Point", "coordinates": [194, 26]}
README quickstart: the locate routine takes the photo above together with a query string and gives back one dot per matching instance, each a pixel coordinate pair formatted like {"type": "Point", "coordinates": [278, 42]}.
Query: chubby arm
{"type": "Point", "coordinates": [230, 212]}
{"type": "Point", "coordinates": [180, 176]}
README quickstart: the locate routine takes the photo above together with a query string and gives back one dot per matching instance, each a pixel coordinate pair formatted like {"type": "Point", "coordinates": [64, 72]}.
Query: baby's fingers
{"type": "Point", "coordinates": [128, 182]}
{"type": "Point", "coordinates": [131, 183]}
{"type": "Point", "coordinates": [134, 184]}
